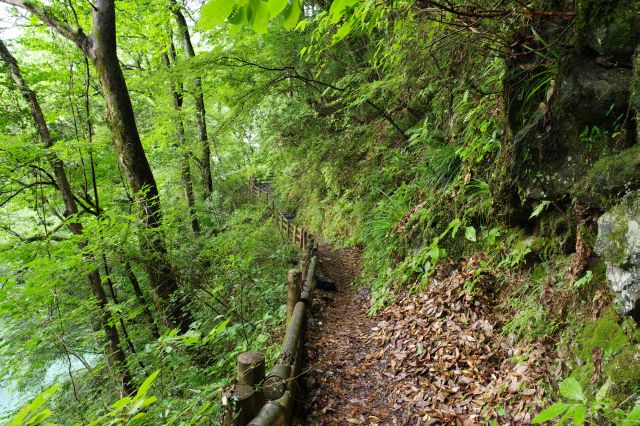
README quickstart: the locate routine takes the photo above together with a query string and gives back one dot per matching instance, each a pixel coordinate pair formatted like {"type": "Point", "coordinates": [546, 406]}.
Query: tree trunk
{"type": "Point", "coordinates": [71, 210]}
{"type": "Point", "coordinates": [185, 170]}
{"type": "Point", "coordinates": [207, 180]}
{"type": "Point", "coordinates": [124, 130]}
{"type": "Point", "coordinates": [141, 299]}
{"type": "Point", "coordinates": [101, 48]}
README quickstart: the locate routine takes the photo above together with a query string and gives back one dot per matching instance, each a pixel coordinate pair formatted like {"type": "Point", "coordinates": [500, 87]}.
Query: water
{"type": "Point", "coordinates": [12, 399]}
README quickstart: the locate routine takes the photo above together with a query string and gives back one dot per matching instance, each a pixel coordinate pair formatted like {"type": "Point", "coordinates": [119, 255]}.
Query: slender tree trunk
{"type": "Point", "coordinates": [129, 271]}
{"type": "Point", "coordinates": [207, 180]}
{"type": "Point", "coordinates": [71, 210]}
{"type": "Point", "coordinates": [101, 48]}
{"type": "Point", "coordinates": [141, 299]}
{"type": "Point", "coordinates": [185, 170]}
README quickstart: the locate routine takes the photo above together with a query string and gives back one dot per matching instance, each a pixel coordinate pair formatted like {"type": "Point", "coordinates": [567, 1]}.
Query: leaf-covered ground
{"type": "Point", "coordinates": [433, 357]}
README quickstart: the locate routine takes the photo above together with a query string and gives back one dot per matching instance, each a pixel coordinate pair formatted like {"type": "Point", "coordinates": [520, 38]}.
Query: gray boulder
{"type": "Point", "coordinates": [619, 245]}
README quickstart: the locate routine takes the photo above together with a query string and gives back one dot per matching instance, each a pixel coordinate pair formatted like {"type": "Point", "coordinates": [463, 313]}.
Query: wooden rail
{"type": "Point", "coordinates": [298, 235]}
{"type": "Point", "coordinates": [270, 400]}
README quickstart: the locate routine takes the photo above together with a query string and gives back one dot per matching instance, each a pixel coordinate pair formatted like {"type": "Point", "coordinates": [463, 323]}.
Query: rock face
{"type": "Point", "coordinates": [619, 244]}
{"type": "Point", "coordinates": [574, 114]}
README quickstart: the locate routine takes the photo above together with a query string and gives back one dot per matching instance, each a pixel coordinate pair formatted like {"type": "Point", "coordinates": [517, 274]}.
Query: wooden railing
{"type": "Point", "coordinates": [266, 400]}
{"type": "Point", "coordinates": [298, 235]}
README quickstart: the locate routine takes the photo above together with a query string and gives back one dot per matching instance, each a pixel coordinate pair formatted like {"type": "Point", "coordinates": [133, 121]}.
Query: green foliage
{"type": "Point", "coordinates": [580, 408]}
{"type": "Point", "coordinates": [255, 14]}
{"type": "Point", "coordinates": [130, 410]}
{"type": "Point", "coordinates": [604, 333]}
{"type": "Point", "coordinates": [383, 125]}
{"type": "Point", "coordinates": [34, 413]}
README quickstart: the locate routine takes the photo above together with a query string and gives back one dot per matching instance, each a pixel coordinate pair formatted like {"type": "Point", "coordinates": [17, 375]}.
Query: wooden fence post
{"type": "Point", "coordinates": [304, 267]}
{"type": "Point", "coordinates": [250, 374]}
{"type": "Point", "coordinates": [293, 291]}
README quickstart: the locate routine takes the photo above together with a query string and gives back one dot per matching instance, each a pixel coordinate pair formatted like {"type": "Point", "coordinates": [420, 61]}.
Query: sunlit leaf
{"type": "Point", "coordinates": [214, 13]}
{"type": "Point", "coordinates": [291, 15]}
{"type": "Point", "coordinates": [551, 412]}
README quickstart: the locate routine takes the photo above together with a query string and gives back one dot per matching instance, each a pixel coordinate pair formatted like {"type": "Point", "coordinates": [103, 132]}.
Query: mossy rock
{"type": "Point", "coordinates": [604, 333]}
{"type": "Point", "coordinates": [614, 175]}
{"type": "Point", "coordinates": [623, 370]}
{"type": "Point", "coordinates": [609, 27]}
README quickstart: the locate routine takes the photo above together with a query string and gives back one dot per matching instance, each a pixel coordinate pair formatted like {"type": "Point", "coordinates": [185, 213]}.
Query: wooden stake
{"type": "Point", "coordinates": [304, 266]}
{"type": "Point", "coordinates": [250, 374]}
{"type": "Point", "coordinates": [250, 368]}
{"type": "Point", "coordinates": [293, 291]}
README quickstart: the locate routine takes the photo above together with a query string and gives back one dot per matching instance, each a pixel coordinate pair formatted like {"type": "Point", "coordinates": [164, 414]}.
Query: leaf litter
{"type": "Point", "coordinates": [433, 357]}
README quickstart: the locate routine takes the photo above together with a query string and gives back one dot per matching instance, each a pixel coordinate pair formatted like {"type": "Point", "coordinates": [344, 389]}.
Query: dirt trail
{"type": "Point", "coordinates": [344, 383]}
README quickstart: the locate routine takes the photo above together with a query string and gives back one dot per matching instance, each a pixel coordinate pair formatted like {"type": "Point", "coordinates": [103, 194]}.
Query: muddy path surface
{"type": "Point", "coordinates": [344, 381]}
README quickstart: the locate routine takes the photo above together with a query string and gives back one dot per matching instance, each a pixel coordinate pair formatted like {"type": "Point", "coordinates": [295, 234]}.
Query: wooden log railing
{"type": "Point", "coordinates": [270, 400]}
{"type": "Point", "coordinates": [298, 235]}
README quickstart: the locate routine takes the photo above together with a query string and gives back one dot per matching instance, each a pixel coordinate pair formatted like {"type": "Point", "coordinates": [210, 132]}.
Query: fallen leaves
{"type": "Point", "coordinates": [431, 358]}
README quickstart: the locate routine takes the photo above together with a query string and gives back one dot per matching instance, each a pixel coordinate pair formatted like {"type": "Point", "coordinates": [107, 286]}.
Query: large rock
{"type": "Point", "coordinates": [610, 27]}
{"type": "Point", "coordinates": [619, 244]}
{"type": "Point", "coordinates": [577, 139]}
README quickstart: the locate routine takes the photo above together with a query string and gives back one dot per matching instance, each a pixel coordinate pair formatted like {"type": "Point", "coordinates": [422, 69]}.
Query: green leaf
{"type": "Point", "coordinates": [39, 418]}
{"type": "Point", "coordinates": [214, 13]}
{"type": "Point", "coordinates": [239, 16]}
{"type": "Point", "coordinates": [470, 233]}
{"type": "Point", "coordinates": [121, 402]}
{"type": "Point", "coordinates": [571, 389]}
{"type": "Point", "coordinates": [219, 328]}
{"type": "Point", "coordinates": [144, 387]}
{"type": "Point", "coordinates": [259, 18]}
{"type": "Point", "coordinates": [567, 415]}
{"type": "Point", "coordinates": [277, 6]}
{"type": "Point", "coordinates": [291, 15]}
{"type": "Point", "coordinates": [337, 10]}
{"type": "Point", "coordinates": [543, 205]}
{"type": "Point", "coordinates": [549, 413]}
{"type": "Point", "coordinates": [634, 415]}
{"type": "Point", "coordinates": [343, 31]}
{"type": "Point", "coordinates": [43, 397]}
{"type": "Point", "coordinates": [604, 389]}
{"type": "Point", "coordinates": [579, 414]}
{"type": "Point", "coordinates": [32, 407]}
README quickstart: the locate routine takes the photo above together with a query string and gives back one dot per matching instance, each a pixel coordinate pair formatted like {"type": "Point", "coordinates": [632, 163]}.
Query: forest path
{"type": "Point", "coordinates": [344, 383]}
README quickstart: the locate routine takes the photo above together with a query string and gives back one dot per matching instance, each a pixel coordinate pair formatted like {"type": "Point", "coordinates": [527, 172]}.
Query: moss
{"type": "Point", "coordinates": [599, 271]}
{"type": "Point", "coordinates": [623, 371]}
{"type": "Point", "coordinates": [608, 26]}
{"type": "Point", "coordinates": [604, 333]}
{"type": "Point", "coordinates": [614, 173]}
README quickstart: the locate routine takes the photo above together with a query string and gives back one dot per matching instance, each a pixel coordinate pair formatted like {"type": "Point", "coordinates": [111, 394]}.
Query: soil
{"type": "Point", "coordinates": [343, 383]}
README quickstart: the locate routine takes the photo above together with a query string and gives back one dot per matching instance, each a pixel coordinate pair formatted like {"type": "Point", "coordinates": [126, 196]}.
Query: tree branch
{"type": "Point", "coordinates": [45, 15]}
